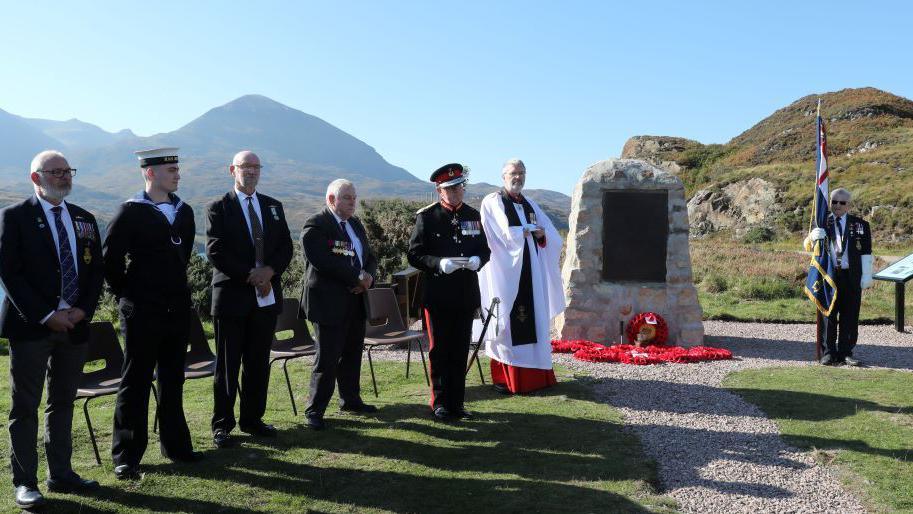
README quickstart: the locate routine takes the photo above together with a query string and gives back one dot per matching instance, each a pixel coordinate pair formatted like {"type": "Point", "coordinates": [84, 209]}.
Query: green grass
{"type": "Point", "coordinates": [558, 451]}
{"type": "Point", "coordinates": [760, 283]}
{"type": "Point", "coordinates": [858, 420]}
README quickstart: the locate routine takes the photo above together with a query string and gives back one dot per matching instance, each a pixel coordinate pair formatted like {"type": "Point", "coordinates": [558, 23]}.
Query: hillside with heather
{"type": "Point", "coordinates": [764, 176]}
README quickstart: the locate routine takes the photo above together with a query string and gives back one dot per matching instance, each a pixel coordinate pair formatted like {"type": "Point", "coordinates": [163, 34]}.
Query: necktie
{"type": "Point", "coordinates": [356, 262]}
{"type": "Point", "coordinates": [69, 280]}
{"type": "Point", "coordinates": [256, 230]}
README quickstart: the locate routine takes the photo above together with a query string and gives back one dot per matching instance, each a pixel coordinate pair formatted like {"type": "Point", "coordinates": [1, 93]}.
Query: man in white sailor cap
{"type": "Point", "coordinates": [147, 248]}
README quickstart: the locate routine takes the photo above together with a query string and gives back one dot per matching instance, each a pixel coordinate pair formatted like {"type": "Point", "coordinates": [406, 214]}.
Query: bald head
{"type": "Point", "coordinates": [245, 168]}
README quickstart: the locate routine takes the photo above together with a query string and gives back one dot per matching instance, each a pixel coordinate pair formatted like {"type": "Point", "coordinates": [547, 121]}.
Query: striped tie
{"type": "Point", "coordinates": [69, 280]}
{"type": "Point", "coordinates": [256, 230]}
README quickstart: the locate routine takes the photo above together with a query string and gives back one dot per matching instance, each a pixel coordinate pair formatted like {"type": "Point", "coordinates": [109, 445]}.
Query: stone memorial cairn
{"type": "Point", "coordinates": [627, 252]}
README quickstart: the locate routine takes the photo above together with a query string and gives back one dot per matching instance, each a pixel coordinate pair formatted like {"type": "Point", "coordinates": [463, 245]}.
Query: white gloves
{"type": "Point", "coordinates": [448, 265]}
{"type": "Point", "coordinates": [817, 234]}
{"type": "Point", "coordinates": [474, 263]}
{"type": "Point", "coordinates": [867, 280]}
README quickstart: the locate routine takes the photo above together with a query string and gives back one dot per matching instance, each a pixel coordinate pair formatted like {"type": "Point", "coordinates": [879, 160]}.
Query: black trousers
{"type": "Point", "coordinates": [338, 359]}
{"type": "Point", "coordinates": [152, 340]}
{"type": "Point", "coordinates": [30, 361]}
{"type": "Point", "coordinates": [841, 328]}
{"type": "Point", "coordinates": [242, 340]}
{"type": "Point", "coordinates": [449, 334]}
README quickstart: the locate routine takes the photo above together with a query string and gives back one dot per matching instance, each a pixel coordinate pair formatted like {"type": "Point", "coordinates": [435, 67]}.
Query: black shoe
{"type": "Point", "coordinates": [315, 422]}
{"type": "Point", "coordinates": [501, 388]}
{"type": "Point", "coordinates": [222, 439]}
{"type": "Point", "coordinates": [28, 497]}
{"type": "Point", "coordinates": [852, 362]}
{"type": "Point", "coordinates": [828, 360]}
{"type": "Point", "coordinates": [261, 430]}
{"type": "Point", "coordinates": [441, 413]}
{"type": "Point", "coordinates": [127, 472]}
{"type": "Point", "coordinates": [464, 414]}
{"type": "Point", "coordinates": [186, 458]}
{"type": "Point", "coordinates": [71, 484]}
{"type": "Point", "coordinates": [362, 408]}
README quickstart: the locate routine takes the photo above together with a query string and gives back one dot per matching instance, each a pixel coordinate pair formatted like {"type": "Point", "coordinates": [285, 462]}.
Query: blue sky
{"type": "Point", "coordinates": [560, 85]}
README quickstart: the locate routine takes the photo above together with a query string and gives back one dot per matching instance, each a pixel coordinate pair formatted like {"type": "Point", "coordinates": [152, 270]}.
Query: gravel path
{"type": "Point", "coordinates": [716, 452]}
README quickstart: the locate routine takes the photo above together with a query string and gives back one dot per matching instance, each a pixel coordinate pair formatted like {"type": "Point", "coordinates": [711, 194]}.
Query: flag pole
{"type": "Point", "coordinates": [819, 319]}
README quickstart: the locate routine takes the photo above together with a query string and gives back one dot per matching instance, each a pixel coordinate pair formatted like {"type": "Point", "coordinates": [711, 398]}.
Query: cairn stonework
{"type": "Point", "coordinates": [627, 252]}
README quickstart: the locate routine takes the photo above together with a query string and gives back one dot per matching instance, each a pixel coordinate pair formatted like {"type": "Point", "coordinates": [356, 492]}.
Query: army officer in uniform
{"type": "Point", "coordinates": [449, 246]}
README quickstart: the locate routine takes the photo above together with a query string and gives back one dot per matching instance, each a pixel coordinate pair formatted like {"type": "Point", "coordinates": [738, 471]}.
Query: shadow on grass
{"type": "Point", "coordinates": [892, 357]}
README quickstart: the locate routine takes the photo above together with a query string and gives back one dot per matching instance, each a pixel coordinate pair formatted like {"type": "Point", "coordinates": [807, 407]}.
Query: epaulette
{"type": "Point", "coordinates": [425, 208]}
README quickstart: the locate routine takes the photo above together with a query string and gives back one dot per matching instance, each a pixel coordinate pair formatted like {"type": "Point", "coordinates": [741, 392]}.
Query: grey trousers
{"type": "Point", "coordinates": [30, 361]}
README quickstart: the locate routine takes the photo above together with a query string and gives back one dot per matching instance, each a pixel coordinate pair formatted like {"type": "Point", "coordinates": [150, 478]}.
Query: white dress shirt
{"type": "Point", "coordinates": [839, 242]}
{"type": "Point", "coordinates": [356, 243]}
{"type": "Point", "coordinates": [269, 299]}
{"type": "Point", "coordinates": [71, 234]}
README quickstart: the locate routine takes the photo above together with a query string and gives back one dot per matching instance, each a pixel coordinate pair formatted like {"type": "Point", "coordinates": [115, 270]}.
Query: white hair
{"type": "Point", "coordinates": [841, 192]}
{"type": "Point", "coordinates": [42, 157]}
{"type": "Point", "coordinates": [338, 185]}
{"type": "Point", "coordinates": [512, 163]}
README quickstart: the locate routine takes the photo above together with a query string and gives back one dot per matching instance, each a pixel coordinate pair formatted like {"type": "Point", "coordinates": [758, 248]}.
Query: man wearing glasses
{"type": "Point", "coordinates": [147, 248]}
{"type": "Point", "coordinates": [851, 248]}
{"type": "Point", "coordinates": [51, 270]}
{"type": "Point", "coordinates": [449, 246]}
{"type": "Point", "coordinates": [249, 246]}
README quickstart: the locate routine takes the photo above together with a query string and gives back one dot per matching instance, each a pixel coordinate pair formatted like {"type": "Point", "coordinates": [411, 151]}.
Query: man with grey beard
{"type": "Point", "coordinates": [51, 271]}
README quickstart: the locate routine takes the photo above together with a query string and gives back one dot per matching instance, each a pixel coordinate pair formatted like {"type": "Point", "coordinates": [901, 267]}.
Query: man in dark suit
{"type": "Point", "coordinates": [448, 244]}
{"type": "Point", "coordinates": [52, 273]}
{"type": "Point", "coordinates": [851, 248]}
{"type": "Point", "coordinates": [249, 246]}
{"type": "Point", "coordinates": [339, 268]}
{"type": "Point", "coordinates": [147, 248]}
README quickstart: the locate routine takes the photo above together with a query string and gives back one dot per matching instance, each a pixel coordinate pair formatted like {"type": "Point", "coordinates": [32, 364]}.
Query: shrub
{"type": "Point", "coordinates": [389, 224]}
{"type": "Point", "coordinates": [756, 235]}
{"type": "Point", "coordinates": [715, 283]}
{"type": "Point", "coordinates": [765, 288]}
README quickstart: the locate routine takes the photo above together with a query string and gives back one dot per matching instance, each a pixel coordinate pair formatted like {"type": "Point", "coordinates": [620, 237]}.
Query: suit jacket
{"type": "Point", "coordinates": [858, 242]}
{"type": "Point", "coordinates": [328, 276]}
{"type": "Point", "coordinates": [30, 269]}
{"type": "Point", "coordinates": [439, 233]}
{"type": "Point", "coordinates": [230, 249]}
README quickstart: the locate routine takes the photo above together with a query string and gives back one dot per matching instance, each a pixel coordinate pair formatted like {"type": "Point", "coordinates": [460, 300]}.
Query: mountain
{"type": "Point", "coordinates": [764, 176]}
{"type": "Point", "coordinates": [300, 152]}
{"type": "Point", "coordinates": [19, 142]}
{"type": "Point", "coordinates": [75, 134]}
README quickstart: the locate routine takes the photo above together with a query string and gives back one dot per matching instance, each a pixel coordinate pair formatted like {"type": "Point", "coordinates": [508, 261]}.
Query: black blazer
{"type": "Point", "coordinates": [328, 276]}
{"type": "Point", "coordinates": [231, 251]}
{"type": "Point", "coordinates": [30, 269]}
{"type": "Point", "coordinates": [858, 237]}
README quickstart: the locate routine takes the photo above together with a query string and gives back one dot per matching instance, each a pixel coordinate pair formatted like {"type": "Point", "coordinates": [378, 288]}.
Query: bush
{"type": "Point", "coordinates": [768, 289]}
{"type": "Point", "coordinates": [199, 279]}
{"type": "Point", "coordinates": [715, 283]}
{"type": "Point", "coordinates": [756, 235]}
{"type": "Point", "coordinates": [389, 224]}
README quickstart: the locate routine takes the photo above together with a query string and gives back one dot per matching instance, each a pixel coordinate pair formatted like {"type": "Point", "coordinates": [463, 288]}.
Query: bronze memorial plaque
{"type": "Point", "coordinates": [635, 228]}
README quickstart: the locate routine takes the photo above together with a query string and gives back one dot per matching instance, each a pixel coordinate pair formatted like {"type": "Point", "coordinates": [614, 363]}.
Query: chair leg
{"type": "Point", "coordinates": [371, 365]}
{"type": "Point", "coordinates": [408, 358]}
{"type": "Point", "coordinates": [288, 383]}
{"type": "Point", "coordinates": [155, 423]}
{"type": "Point", "coordinates": [421, 351]}
{"type": "Point", "coordinates": [85, 410]}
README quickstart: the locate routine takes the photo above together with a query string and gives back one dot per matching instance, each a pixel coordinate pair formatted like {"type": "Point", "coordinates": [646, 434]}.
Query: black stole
{"type": "Point", "coordinates": [522, 313]}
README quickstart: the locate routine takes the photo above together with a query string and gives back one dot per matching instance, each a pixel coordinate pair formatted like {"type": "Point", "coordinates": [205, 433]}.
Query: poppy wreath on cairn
{"type": "Point", "coordinates": [651, 332]}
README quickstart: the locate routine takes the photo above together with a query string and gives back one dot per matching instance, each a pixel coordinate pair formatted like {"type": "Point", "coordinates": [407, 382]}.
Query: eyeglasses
{"type": "Point", "coordinates": [839, 202]}
{"type": "Point", "coordinates": [60, 173]}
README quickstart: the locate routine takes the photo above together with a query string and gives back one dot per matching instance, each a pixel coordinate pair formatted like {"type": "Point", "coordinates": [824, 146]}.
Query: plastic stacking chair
{"type": "Point", "coordinates": [385, 326]}
{"type": "Point", "coordinates": [103, 345]}
{"type": "Point", "coordinates": [199, 362]}
{"type": "Point", "coordinates": [299, 345]}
